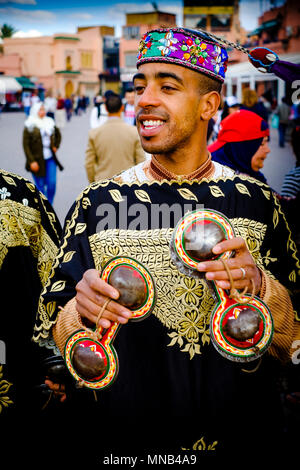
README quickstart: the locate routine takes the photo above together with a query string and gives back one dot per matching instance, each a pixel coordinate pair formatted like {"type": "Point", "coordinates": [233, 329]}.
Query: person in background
{"type": "Point", "coordinates": [60, 113]}
{"type": "Point", "coordinates": [283, 111]}
{"type": "Point", "coordinates": [41, 139]}
{"type": "Point", "coordinates": [231, 105]}
{"type": "Point", "coordinates": [35, 98]}
{"type": "Point", "coordinates": [290, 191]}
{"type": "Point", "coordinates": [69, 108]}
{"type": "Point", "coordinates": [76, 105]}
{"type": "Point", "coordinates": [251, 102]}
{"type": "Point", "coordinates": [242, 143]}
{"type": "Point", "coordinates": [26, 101]}
{"type": "Point", "coordinates": [99, 113]}
{"type": "Point", "coordinates": [114, 146]}
{"type": "Point", "coordinates": [50, 104]}
{"type": "Point", "coordinates": [129, 113]}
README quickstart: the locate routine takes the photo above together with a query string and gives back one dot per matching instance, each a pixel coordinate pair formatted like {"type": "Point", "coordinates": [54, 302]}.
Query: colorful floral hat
{"type": "Point", "coordinates": [189, 48]}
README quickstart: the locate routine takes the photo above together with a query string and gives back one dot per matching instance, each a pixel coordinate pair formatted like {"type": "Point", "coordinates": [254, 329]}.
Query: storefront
{"type": "Point", "coordinates": [10, 93]}
{"type": "Point", "coordinates": [244, 74]}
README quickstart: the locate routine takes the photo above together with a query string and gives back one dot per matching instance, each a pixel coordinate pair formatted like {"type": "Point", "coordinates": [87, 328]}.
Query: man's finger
{"type": "Point", "coordinates": [233, 244]}
{"type": "Point", "coordinates": [101, 286]}
{"type": "Point", "coordinates": [114, 311]}
{"type": "Point", "coordinates": [237, 285]}
{"type": "Point", "coordinates": [217, 265]}
{"type": "Point", "coordinates": [236, 274]}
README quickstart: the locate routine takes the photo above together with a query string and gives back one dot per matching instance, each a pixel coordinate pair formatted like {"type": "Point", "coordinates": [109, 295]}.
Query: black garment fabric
{"type": "Point", "coordinates": [29, 238]}
{"type": "Point", "coordinates": [174, 393]}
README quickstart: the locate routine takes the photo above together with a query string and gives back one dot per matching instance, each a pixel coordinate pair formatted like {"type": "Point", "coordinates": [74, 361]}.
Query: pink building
{"type": "Point", "coordinates": [137, 24]}
{"type": "Point", "coordinates": [64, 63]}
{"type": "Point", "coordinates": [278, 29]}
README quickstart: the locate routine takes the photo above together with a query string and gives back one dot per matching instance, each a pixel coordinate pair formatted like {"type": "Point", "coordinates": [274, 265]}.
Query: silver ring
{"type": "Point", "coordinates": [243, 272]}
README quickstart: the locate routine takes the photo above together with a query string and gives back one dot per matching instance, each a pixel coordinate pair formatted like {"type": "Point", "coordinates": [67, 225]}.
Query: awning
{"type": "Point", "coordinates": [255, 32]}
{"type": "Point", "coordinates": [26, 83]}
{"type": "Point", "coordinates": [265, 26]}
{"type": "Point", "coordinates": [9, 84]}
{"type": "Point", "coordinates": [270, 24]}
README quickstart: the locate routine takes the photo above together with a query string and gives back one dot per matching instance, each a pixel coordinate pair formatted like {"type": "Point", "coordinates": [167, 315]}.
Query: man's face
{"type": "Point", "coordinates": [129, 97]}
{"type": "Point", "coordinates": [167, 106]}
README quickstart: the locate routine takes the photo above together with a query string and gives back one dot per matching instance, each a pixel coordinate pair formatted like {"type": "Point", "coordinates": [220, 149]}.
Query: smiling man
{"type": "Point", "coordinates": [174, 391]}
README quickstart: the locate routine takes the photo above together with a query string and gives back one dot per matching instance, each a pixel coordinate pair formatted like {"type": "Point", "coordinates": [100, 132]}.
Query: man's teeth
{"type": "Point", "coordinates": [152, 123]}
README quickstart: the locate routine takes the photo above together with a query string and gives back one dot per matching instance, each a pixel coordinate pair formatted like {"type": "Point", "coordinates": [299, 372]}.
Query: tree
{"type": "Point", "coordinates": [7, 31]}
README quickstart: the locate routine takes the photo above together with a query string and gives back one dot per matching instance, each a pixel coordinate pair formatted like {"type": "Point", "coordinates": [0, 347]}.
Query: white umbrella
{"type": "Point", "coordinates": [9, 85]}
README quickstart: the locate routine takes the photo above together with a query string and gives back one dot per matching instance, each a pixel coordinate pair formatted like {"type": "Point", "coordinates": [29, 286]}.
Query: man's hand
{"type": "Point", "coordinates": [215, 270]}
{"type": "Point", "coordinates": [57, 389]}
{"type": "Point", "coordinates": [92, 293]}
{"type": "Point", "coordinates": [34, 167]}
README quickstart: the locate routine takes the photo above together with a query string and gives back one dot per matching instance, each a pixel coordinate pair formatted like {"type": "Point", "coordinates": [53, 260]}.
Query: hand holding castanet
{"type": "Point", "coordinates": [203, 245]}
{"type": "Point", "coordinates": [90, 355]}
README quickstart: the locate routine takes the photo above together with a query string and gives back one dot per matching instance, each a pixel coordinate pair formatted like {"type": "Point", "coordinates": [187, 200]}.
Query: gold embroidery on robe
{"type": "Point", "coordinates": [29, 233]}
{"type": "Point", "coordinates": [5, 401]}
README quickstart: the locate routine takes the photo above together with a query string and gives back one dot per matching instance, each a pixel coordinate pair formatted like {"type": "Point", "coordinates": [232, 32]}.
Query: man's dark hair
{"type": "Point", "coordinates": [207, 84]}
{"type": "Point", "coordinates": [129, 90]}
{"type": "Point", "coordinates": [113, 103]}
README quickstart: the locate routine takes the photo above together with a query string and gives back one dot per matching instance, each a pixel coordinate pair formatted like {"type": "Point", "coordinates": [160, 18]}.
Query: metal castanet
{"type": "Point", "coordinates": [89, 354]}
{"type": "Point", "coordinates": [241, 325]}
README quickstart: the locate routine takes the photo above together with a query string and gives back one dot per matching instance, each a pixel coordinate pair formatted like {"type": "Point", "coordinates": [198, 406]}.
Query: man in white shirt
{"type": "Point", "coordinates": [129, 114]}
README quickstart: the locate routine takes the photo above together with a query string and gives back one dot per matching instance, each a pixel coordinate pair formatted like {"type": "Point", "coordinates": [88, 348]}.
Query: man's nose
{"type": "Point", "coordinates": [149, 97]}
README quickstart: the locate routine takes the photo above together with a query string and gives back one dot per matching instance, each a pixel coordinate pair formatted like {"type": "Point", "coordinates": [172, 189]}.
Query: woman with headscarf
{"type": "Point", "coordinates": [41, 139]}
{"type": "Point", "coordinates": [242, 143]}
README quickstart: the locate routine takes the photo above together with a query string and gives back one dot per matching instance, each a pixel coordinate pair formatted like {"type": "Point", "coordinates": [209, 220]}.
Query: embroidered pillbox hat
{"type": "Point", "coordinates": [186, 47]}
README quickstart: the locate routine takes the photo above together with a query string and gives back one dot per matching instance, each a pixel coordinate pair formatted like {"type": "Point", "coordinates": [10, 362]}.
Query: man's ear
{"type": "Point", "coordinates": [210, 103]}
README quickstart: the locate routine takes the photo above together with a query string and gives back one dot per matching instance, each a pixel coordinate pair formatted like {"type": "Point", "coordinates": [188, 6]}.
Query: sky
{"type": "Point", "coordinates": [46, 17]}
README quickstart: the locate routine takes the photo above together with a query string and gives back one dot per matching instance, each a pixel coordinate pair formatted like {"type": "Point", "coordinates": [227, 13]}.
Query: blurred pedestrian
{"type": "Point", "coordinates": [129, 113]}
{"type": "Point", "coordinates": [251, 102]}
{"type": "Point", "coordinates": [26, 101]}
{"type": "Point", "coordinates": [76, 104]}
{"type": "Point", "coordinates": [82, 103]}
{"type": "Point", "coordinates": [41, 139]}
{"type": "Point", "coordinates": [231, 105]}
{"type": "Point", "coordinates": [99, 112]}
{"type": "Point", "coordinates": [242, 143]}
{"type": "Point", "coordinates": [291, 184]}
{"type": "Point", "coordinates": [60, 113]}
{"type": "Point", "coordinates": [50, 104]}
{"type": "Point", "coordinates": [68, 108]}
{"type": "Point", "coordinates": [114, 146]}
{"type": "Point", "coordinates": [283, 112]}
{"type": "Point", "coordinates": [35, 98]}
{"type": "Point", "coordinates": [290, 191]}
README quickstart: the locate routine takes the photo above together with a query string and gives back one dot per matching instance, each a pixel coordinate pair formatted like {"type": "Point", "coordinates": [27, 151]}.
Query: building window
{"type": "Point", "coordinates": [130, 59]}
{"type": "Point", "coordinates": [131, 32]}
{"type": "Point", "coordinates": [220, 22]}
{"type": "Point", "coordinates": [69, 63]}
{"type": "Point", "coordinates": [52, 61]}
{"type": "Point", "coordinates": [195, 21]}
{"type": "Point", "coordinates": [87, 60]}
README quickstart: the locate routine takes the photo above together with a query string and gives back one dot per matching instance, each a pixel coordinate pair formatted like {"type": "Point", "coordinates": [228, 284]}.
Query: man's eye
{"type": "Point", "coordinates": [139, 88]}
{"type": "Point", "coordinates": [168, 88]}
